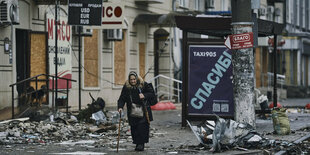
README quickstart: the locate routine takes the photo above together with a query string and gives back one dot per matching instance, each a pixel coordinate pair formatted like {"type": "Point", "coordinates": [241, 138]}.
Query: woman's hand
{"type": "Point", "coordinates": [120, 110]}
{"type": "Point", "coordinates": [141, 96]}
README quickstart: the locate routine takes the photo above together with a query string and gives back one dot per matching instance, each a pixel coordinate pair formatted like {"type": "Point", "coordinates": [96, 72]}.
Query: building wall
{"type": "Point", "coordinates": [287, 66]}
{"type": "Point", "coordinates": [103, 83]}
{"type": "Point", "coordinates": [308, 71]}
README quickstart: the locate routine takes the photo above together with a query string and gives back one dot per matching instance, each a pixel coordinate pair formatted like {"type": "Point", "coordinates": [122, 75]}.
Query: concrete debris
{"type": "Point", "coordinates": [62, 129]}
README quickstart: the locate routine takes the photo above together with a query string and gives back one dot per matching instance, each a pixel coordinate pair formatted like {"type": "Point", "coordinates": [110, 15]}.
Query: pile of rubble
{"type": "Point", "coordinates": [64, 129]}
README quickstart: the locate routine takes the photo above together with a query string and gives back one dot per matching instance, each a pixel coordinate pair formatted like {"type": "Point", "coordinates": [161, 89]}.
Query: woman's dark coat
{"type": "Point", "coordinates": [148, 92]}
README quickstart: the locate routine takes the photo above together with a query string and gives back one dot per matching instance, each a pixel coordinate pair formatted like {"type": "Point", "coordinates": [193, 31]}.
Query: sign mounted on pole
{"type": "Point", "coordinates": [210, 88]}
{"type": "Point", "coordinates": [82, 12]}
{"type": "Point", "coordinates": [239, 41]}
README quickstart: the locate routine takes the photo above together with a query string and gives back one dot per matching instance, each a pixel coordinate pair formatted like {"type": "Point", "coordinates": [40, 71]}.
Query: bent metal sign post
{"type": "Point", "coordinates": [210, 89]}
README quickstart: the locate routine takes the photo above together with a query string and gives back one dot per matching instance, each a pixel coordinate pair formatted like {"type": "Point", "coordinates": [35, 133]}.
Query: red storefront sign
{"type": "Point", "coordinates": [239, 41]}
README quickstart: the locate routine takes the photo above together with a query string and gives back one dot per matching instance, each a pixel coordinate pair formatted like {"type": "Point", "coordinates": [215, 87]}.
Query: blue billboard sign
{"type": "Point", "coordinates": [210, 89]}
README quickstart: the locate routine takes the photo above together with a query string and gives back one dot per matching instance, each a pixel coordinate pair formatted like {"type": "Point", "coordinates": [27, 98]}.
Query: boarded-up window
{"type": "Point", "coordinates": [38, 57]}
{"type": "Point", "coordinates": [306, 70]}
{"type": "Point", "coordinates": [258, 67]}
{"type": "Point", "coordinates": [287, 67]}
{"type": "Point", "coordinates": [91, 72]}
{"type": "Point", "coordinates": [120, 60]}
{"type": "Point", "coordinates": [265, 67]}
{"type": "Point", "coordinates": [142, 59]}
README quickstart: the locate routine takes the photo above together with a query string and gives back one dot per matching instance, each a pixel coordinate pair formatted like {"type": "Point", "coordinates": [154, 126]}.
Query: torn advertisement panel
{"type": "Point", "coordinates": [233, 134]}
{"type": "Point", "coordinates": [201, 133]}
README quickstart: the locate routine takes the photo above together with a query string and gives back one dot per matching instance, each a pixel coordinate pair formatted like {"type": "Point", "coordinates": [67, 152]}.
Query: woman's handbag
{"type": "Point", "coordinates": [136, 110]}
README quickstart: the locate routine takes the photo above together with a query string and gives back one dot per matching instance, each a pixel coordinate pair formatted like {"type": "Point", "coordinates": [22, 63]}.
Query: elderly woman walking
{"type": "Point", "coordinates": [137, 94]}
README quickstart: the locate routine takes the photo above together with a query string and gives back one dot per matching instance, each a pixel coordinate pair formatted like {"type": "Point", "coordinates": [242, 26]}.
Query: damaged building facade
{"type": "Point", "coordinates": [147, 42]}
{"type": "Point", "coordinates": [27, 48]}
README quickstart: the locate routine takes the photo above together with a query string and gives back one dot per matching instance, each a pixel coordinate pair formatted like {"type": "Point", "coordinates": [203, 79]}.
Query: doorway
{"type": "Point", "coordinates": [22, 58]}
{"type": "Point", "coordinates": [160, 52]}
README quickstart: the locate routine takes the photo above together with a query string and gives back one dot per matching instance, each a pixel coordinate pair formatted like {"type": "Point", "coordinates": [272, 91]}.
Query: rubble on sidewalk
{"type": "Point", "coordinates": [91, 126]}
{"type": "Point", "coordinates": [64, 129]}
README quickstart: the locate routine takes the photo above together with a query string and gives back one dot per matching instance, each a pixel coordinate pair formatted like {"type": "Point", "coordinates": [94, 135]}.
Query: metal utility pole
{"type": "Point", "coordinates": [243, 64]}
{"type": "Point", "coordinates": [80, 66]}
{"type": "Point", "coordinates": [56, 51]}
{"type": "Point", "coordinates": [275, 95]}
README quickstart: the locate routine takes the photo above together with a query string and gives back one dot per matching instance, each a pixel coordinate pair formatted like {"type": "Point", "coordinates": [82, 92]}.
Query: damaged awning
{"type": "Point", "coordinates": [214, 26]}
{"type": "Point", "coordinates": [153, 20]}
{"type": "Point", "coordinates": [221, 26]}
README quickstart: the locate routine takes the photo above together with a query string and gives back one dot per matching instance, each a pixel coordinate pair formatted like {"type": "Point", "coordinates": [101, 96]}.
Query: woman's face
{"type": "Point", "coordinates": [132, 80]}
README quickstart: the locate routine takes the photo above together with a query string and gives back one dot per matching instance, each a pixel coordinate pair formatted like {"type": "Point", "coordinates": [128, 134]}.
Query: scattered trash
{"type": "Point", "coordinates": [229, 134]}
{"type": "Point", "coordinates": [70, 142]}
{"type": "Point", "coordinates": [204, 135]}
{"type": "Point", "coordinates": [81, 153]}
{"type": "Point", "coordinates": [102, 128]}
{"type": "Point", "coordinates": [115, 116]}
{"type": "Point", "coordinates": [99, 117]}
{"type": "Point", "coordinates": [263, 100]}
{"type": "Point", "coordinates": [163, 106]}
{"type": "Point", "coordinates": [18, 119]}
{"type": "Point", "coordinates": [272, 104]}
{"type": "Point", "coordinates": [96, 105]}
{"type": "Point", "coordinates": [280, 121]}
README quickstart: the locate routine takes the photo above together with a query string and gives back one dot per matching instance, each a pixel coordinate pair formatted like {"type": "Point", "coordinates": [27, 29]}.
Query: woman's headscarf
{"type": "Point", "coordinates": [135, 75]}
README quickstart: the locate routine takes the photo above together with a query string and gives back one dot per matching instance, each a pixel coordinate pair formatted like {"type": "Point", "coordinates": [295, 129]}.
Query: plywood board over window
{"type": "Point", "coordinates": [120, 60]}
{"type": "Point", "coordinates": [265, 67]}
{"type": "Point", "coordinates": [91, 72]}
{"type": "Point", "coordinates": [38, 57]}
{"type": "Point", "coordinates": [287, 67]}
{"type": "Point", "coordinates": [258, 67]}
{"type": "Point", "coordinates": [307, 70]}
{"type": "Point", "coordinates": [142, 59]}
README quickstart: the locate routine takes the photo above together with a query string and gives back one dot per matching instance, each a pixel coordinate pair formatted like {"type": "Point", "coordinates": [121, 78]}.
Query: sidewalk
{"type": "Point", "coordinates": [295, 102]}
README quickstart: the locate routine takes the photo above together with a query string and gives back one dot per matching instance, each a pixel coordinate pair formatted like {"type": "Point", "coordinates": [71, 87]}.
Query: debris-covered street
{"type": "Point", "coordinates": [66, 135]}
{"type": "Point", "coordinates": [169, 77]}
